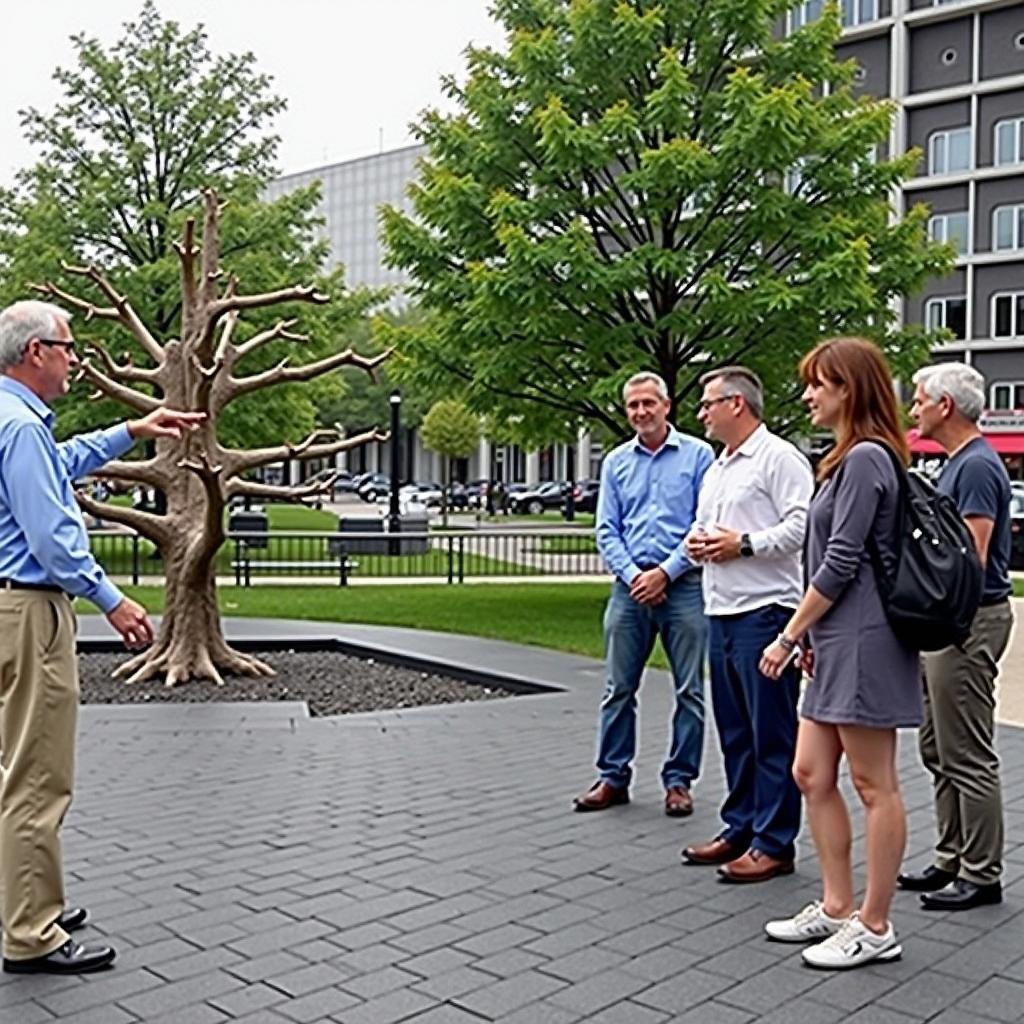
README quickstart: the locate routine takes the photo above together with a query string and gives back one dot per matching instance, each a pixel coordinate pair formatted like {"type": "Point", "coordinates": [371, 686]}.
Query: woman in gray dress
{"type": "Point", "coordinates": [864, 682]}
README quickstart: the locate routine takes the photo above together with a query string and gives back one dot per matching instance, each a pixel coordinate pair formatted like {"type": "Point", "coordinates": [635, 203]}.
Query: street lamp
{"type": "Point", "coordinates": [394, 519]}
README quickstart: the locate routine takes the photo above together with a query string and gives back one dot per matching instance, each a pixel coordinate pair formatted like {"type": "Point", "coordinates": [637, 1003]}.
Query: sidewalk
{"type": "Point", "coordinates": [253, 864]}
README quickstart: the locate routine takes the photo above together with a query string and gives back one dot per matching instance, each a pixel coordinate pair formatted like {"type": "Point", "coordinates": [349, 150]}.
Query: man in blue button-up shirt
{"type": "Point", "coordinates": [44, 563]}
{"type": "Point", "coordinates": [646, 506]}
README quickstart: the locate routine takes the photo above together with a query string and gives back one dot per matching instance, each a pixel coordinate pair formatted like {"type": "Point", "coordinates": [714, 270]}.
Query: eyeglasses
{"type": "Point", "coordinates": [69, 346]}
{"type": "Point", "coordinates": [704, 404]}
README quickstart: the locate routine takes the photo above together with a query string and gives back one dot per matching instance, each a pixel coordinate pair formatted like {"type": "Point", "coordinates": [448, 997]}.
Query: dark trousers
{"type": "Point", "coordinates": [756, 719]}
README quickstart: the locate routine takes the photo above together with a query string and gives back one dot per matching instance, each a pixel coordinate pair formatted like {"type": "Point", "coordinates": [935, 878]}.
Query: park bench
{"type": "Point", "coordinates": [244, 566]}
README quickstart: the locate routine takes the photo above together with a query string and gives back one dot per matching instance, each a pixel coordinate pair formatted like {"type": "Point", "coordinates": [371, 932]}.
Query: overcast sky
{"type": "Point", "coordinates": [349, 69]}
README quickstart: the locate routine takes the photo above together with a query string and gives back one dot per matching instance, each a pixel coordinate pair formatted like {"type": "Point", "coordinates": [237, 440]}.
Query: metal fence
{"type": "Point", "coordinates": [451, 556]}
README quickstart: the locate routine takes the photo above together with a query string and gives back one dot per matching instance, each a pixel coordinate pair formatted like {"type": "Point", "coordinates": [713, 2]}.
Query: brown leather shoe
{"type": "Point", "coordinates": [754, 866]}
{"type": "Point", "coordinates": [718, 851]}
{"type": "Point", "coordinates": [600, 797]}
{"type": "Point", "coordinates": [678, 802]}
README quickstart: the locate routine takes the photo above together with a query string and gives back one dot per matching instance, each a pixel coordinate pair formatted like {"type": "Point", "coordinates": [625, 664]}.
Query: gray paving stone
{"type": "Point", "coordinates": [95, 1015]}
{"type": "Point", "coordinates": [387, 1009]}
{"type": "Point", "coordinates": [288, 851]}
{"type": "Point", "coordinates": [509, 994]}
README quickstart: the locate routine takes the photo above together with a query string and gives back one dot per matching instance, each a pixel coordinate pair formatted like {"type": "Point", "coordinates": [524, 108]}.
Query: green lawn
{"type": "Point", "coordinates": [561, 616]}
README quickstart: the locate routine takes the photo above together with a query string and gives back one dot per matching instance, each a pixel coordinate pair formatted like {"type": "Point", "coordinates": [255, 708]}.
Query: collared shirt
{"type": "Point", "coordinates": [763, 488]}
{"type": "Point", "coordinates": [647, 503]}
{"type": "Point", "coordinates": [42, 533]}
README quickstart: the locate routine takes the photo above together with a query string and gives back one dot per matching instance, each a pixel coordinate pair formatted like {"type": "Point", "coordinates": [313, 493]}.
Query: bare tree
{"type": "Point", "coordinates": [199, 372]}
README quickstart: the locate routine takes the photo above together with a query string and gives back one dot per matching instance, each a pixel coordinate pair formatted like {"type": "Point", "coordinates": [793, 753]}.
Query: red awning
{"type": "Point", "coordinates": [1004, 444]}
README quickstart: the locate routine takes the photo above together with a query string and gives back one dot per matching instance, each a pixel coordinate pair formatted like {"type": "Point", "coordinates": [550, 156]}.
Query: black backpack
{"type": "Point", "coordinates": [932, 599]}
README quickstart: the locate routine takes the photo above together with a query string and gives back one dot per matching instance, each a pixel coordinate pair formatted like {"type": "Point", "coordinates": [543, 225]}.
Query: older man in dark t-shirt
{"type": "Point", "coordinates": [956, 736]}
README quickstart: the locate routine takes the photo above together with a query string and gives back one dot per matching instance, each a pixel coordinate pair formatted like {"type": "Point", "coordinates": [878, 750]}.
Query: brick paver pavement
{"type": "Point", "coordinates": [252, 864]}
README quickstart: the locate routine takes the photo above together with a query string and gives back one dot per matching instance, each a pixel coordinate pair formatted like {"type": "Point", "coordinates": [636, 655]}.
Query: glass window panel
{"type": "Point", "coordinates": [1018, 326]}
{"type": "Point", "coordinates": [960, 149]}
{"type": "Point", "coordinates": [1020, 228]}
{"type": "Point", "coordinates": [1005, 137]}
{"type": "Point", "coordinates": [937, 162]}
{"type": "Point", "coordinates": [1003, 311]}
{"type": "Point", "coordinates": [1004, 228]}
{"type": "Point", "coordinates": [956, 317]}
{"type": "Point", "coordinates": [1000, 396]}
{"type": "Point", "coordinates": [957, 231]}
{"type": "Point", "coordinates": [849, 12]}
{"type": "Point", "coordinates": [933, 314]}
{"type": "Point", "coordinates": [1018, 396]}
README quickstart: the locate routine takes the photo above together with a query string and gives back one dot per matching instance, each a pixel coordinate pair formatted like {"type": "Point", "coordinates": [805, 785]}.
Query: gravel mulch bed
{"type": "Point", "coordinates": [329, 682]}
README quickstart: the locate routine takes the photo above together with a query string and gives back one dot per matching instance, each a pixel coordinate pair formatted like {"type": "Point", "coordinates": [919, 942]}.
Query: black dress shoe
{"type": "Point", "coordinates": [962, 895]}
{"type": "Point", "coordinates": [73, 918]}
{"type": "Point", "coordinates": [930, 880]}
{"type": "Point", "coordinates": [71, 958]}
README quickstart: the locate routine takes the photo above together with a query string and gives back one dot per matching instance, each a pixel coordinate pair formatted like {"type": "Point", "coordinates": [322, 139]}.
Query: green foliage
{"type": "Point", "coordinates": [609, 197]}
{"type": "Point", "coordinates": [142, 128]}
{"type": "Point", "coordinates": [451, 429]}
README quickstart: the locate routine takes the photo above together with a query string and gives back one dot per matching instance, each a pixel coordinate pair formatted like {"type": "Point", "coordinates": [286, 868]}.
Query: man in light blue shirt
{"type": "Point", "coordinates": [45, 562]}
{"type": "Point", "coordinates": [646, 506]}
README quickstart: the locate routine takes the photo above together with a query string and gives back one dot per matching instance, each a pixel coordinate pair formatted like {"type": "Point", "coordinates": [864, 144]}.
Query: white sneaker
{"type": "Point", "coordinates": [811, 925]}
{"type": "Point", "coordinates": [852, 946]}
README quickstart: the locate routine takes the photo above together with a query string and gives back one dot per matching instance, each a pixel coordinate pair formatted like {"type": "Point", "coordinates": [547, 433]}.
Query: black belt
{"type": "Point", "coordinates": [18, 585]}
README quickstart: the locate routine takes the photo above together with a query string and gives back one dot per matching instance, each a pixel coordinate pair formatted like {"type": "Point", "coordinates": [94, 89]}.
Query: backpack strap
{"type": "Point", "coordinates": [885, 583]}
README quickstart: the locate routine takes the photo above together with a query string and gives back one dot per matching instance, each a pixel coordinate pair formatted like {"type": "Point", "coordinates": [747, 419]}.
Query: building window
{"type": "Point", "coordinates": [859, 12]}
{"type": "Point", "coordinates": [949, 312]}
{"type": "Point", "coordinates": [1007, 394]}
{"type": "Point", "coordinates": [853, 12]}
{"type": "Point", "coordinates": [953, 228]}
{"type": "Point", "coordinates": [1010, 141]}
{"type": "Point", "coordinates": [1008, 315]}
{"type": "Point", "coordinates": [949, 151]}
{"type": "Point", "coordinates": [1008, 228]}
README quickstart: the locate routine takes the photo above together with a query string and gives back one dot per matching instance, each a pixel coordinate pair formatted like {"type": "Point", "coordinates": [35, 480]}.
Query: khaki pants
{"type": "Point", "coordinates": [957, 747]}
{"type": "Point", "coordinates": [38, 714]}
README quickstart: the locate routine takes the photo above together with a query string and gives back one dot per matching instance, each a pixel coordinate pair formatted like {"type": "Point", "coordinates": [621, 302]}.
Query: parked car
{"type": "Point", "coordinates": [343, 483]}
{"type": "Point", "coordinates": [584, 495]}
{"type": "Point", "coordinates": [429, 493]}
{"type": "Point", "coordinates": [1017, 530]}
{"type": "Point", "coordinates": [537, 500]}
{"type": "Point", "coordinates": [374, 486]}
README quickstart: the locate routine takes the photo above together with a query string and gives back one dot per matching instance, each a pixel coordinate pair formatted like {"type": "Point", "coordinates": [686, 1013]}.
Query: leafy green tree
{"type": "Point", "coordinates": [142, 128]}
{"type": "Point", "coordinates": [654, 184]}
{"type": "Point", "coordinates": [452, 430]}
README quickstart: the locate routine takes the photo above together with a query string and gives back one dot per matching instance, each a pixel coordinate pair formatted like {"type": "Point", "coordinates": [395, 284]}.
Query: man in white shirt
{"type": "Point", "coordinates": [749, 535]}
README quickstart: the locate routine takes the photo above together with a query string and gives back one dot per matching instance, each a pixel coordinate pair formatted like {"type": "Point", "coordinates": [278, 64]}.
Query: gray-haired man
{"type": "Point", "coordinates": [956, 737]}
{"type": "Point", "coordinates": [44, 564]}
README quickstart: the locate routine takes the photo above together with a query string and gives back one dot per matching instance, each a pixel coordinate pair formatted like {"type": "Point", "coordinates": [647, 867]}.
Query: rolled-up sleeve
{"type": "Point", "coordinates": [858, 490]}
{"type": "Point", "coordinates": [54, 535]}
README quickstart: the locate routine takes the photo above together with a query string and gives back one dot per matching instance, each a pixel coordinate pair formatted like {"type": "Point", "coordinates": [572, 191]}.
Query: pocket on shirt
{"type": "Point", "coordinates": [679, 490]}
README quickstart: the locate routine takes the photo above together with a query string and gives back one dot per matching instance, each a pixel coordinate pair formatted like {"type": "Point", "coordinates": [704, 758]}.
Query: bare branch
{"type": "Point", "coordinates": [282, 372]}
{"type": "Point", "coordinates": [121, 372]}
{"type": "Point", "coordinates": [282, 329]}
{"type": "Point", "coordinates": [187, 252]}
{"type": "Point", "coordinates": [210, 475]}
{"type": "Point", "coordinates": [150, 526]}
{"type": "Point", "coordinates": [129, 396]}
{"type": "Point", "coordinates": [251, 489]}
{"type": "Point", "coordinates": [125, 313]}
{"type": "Point", "coordinates": [211, 247]}
{"type": "Point", "coordinates": [143, 472]}
{"type": "Point", "coordinates": [239, 303]}
{"type": "Point", "coordinates": [240, 461]}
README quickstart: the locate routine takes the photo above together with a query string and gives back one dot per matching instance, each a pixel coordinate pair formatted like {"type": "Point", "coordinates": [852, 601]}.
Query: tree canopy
{"type": "Point", "coordinates": [143, 126]}
{"type": "Point", "coordinates": [654, 184]}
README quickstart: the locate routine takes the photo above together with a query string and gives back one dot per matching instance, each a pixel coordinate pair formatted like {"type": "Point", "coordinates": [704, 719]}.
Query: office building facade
{"type": "Point", "coordinates": [956, 70]}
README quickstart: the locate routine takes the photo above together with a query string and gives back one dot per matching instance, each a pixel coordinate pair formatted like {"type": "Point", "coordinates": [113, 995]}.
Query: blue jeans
{"type": "Point", "coordinates": [756, 719]}
{"type": "Point", "coordinates": [630, 629]}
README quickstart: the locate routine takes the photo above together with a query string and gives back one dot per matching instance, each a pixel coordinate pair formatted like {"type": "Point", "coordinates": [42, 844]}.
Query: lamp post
{"type": "Point", "coordinates": [394, 519]}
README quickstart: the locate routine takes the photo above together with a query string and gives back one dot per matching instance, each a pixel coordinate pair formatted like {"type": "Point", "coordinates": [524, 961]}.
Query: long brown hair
{"type": "Point", "coordinates": [869, 411]}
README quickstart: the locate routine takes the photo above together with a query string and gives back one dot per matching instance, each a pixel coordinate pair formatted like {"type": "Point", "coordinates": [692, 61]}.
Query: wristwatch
{"type": "Point", "coordinates": [746, 548]}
